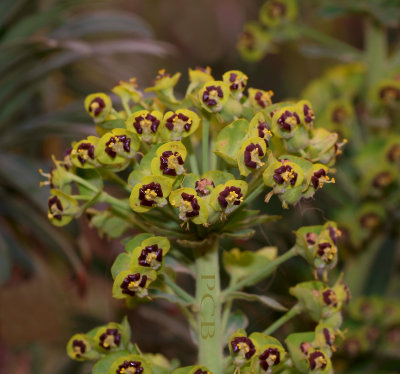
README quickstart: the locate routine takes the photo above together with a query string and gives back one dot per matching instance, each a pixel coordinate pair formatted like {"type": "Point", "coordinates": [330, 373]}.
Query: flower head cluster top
{"type": "Point", "coordinates": [187, 169]}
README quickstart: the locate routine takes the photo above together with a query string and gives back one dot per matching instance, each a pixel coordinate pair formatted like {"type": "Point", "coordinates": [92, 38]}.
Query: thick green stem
{"type": "Point", "coordinates": [205, 143]}
{"type": "Point", "coordinates": [282, 320]}
{"type": "Point", "coordinates": [209, 303]}
{"type": "Point", "coordinates": [259, 275]}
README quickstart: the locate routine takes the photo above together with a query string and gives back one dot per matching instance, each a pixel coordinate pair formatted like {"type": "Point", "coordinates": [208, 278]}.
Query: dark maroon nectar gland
{"type": "Point", "coordinates": [230, 197]}
{"type": "Point", "coordinates": [309, 115]}
{"type": "Point", "coordinates": [171, 163]}
{"type": "Point", "coordinates": [211, 96]}
{"type": "Point", "coordinates": [243, 346]}
{"type": "Point", "coordinates": [84, 152]}
{"type": "Point", "coordinates": [264, 131]}
{"type": "Point", "coordinates": [97, 106]}
{"type": "Point", "coordinates": [110, 339]}
{"type": "Point", "coordinates": [269, 358]}
{"type": "Point", "coordinates": [382, 180]}
{"type": "Point", "coordinates": [319, 178]}
{"type": "Point", "coordinates": [55, 208]}
{"type": "Point", "coordinates": [178, 123]}
{"type": "Point", "coordinates": [148, 194]}
{"type": "Point", "coordinates": [199, 371]}
{"type": "Point", "coordinates": [204, 186]}
{"type": "Point", "coordinates": [130, 367]}
{"type": "Point", "coordinates": [263, 99]}
{"type": "Point", "coordinates": [329, 297]}
{"type": "Point", "coordinates": [133, 283]}
{"type": "Point", "coordinates": [118, 144]}
{"type": "Point", "coordinates": [79, 348]}
{"type": "Point", "coordinates": [317, 360]}
{"type": "Point", "coordinates": [252, 155]}
{"type": "Point", "coordinates": [393, 155]}
{"type": "Point", "coordinates": [146, 124]}
{"type": "Point", "coordinates": [329, 338]}
{"type": "Point", "coordinates": [311, 238]}
{"type": "Point", "coordinates": [189, 207]}
{"type": "Point", "coordinates": [389, 94]}
{"type": "Point", "coordinates": [285, 174]}
{"type": "Point", "coordinates": [288, 120]}
{"type": "Point", "coordinates": [151, 256]}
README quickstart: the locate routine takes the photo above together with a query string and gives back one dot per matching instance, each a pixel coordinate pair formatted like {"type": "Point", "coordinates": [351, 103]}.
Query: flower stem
{"type": "Point", "coordinates": [205, 143]}
{"type": "Point", "coordinates": [282, 320]}
{"type": "Point", "coordinates": [209, 304]}
{"type": "Point", "coordinates": [180, 292]}
{"type": "Point", "coordinates": [262, 273]}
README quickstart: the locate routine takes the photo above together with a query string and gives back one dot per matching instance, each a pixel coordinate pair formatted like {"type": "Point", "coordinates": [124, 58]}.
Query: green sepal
{"type": "Point", "coordinates": [298, 141]}
{"type": "Point", "coordinates": [81, 157]}
{"type": "Point", "coordinates": [103, 365]}
{"type": "Point", "coordinates": [162, 243]}
{"type": "Point", "coordinates": [190, 369]}
{"type": "Point", "coordinates": [70, 208]}
{"type": "Point", "coordinates": [321, 147]}
{"type": "Point", "coordinates": [263, 102]}
{"type": "Point", "coordinates": [218, 189]}
{"type": "Point", "coordinates": [145, 364]}
{"type": "Point", "coordinates": [176, 200]}
{"type": "Point", "coordinates": [147, 135]}
{"type": "Point", "coordinates": [239, 360]}
{"type": "Point", "coordinates": [293, 343]}
{"type": "Point", "coordinates": [142, 291]}
{"type": "Point", "coordinates": [309, 296]}
{"type": "Point", "coordinates": [243, 168]}
{"type": "Point", "coordinates": [122, 157]}
{"type": "Point", "coordinates": [254, 43]}
{"type": "Point", "coordinates": [136, 241]}
{"type": "Point", "coordinates": [230, 139]}
{"type": "Point", "coordinates": [164, 86]}
{"type": "Point", "coordinates": [178, 132]}
{"type": "Point", "coordinates": [127, 91]}
{"type": "Point", "coordinates": [198, 77]}
{"type": "Point", "coordinates": [90, 352]}
{"type": "Point", "coordinates": [121, 263]}
{"type": "Point", "coordinates": [166, 186]}
{"type": "Point", "coordinates": [285, 12]}
{"type": "Point", "coordinates": [255, 122]}
{"type": "Point", "coordinates": [89, 103]}
{"type": "Point", "coordinates": [174, 147]}
{"type": "Point", "coordinates": [240, 79]}
{"type": "Point", "coordinates": [125, 338]}
{"type": "Point", "coordinates": [220, 100]}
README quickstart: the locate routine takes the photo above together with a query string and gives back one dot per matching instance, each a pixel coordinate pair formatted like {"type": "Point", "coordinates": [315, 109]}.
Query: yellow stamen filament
{"type": "Point", "coordinates": [244, 347]}
{"type": "Point", "coordinates": [320, 362]}
{"type": "Point", "coordinates": [233, 197]}
{"type": "Point", "coordinates": [150, 195]}
{"type": "Point", "coordinates": [266, 132]}
{"type": "Point", "coordinates": [213, 94]}
{"type": "Point", "coordinates": [329, 253]}
{"type": "Point", "coordinates": [256, 158]}
{"type": "Point", "coordinates": [287, 175]}
{"type": "Point", "coordinates": [133, 285]}
{"type": "Point", "coordinates": [292, 121]}
{"type": "Point", "coordinates": [271, 360]}
{"type": "Point", "coordinates": [150, 257]}
{"type": "Point", "coordinates": [109, 341]}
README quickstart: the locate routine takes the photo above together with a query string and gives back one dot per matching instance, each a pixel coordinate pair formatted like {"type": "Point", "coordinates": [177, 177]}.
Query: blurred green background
{"type": "Point", "coordinates": [56, 282]}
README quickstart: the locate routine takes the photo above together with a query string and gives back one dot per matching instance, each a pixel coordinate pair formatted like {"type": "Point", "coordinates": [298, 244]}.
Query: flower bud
{"type": "Point", "coordinates": [227, 197]}
{"type": "Point", "coordinates": [250, 155]}
{"type": "Point", "coordinates": [254, 42]}
{"type": "Point", "coordinates": [61, 208]}
{"type": "Point", "coordinates": [150, 253]}
{"type": "Point", "coordinates": [145, 124]}
{"type": "Point", "coordinates": [133, 282]}
{"type": "Point", "coordinates": [83, 153]}
{"type": "Point", "coordinates": [241, 348]}
{"type": "Point", "coordinates": [81, 348]}
{"type": "Point", "coordinates": [180, 124]}
{"type": "Point", "coordinates": [237, 82]}
{"type": "Point", "coordinates": [214, 95]}
{"type": "Point", "coordinates": [276, 12]}
{"type": "Point", "coordinates": [169, 160]}
{"type": "Point", "coordinates": [163, 86]}
{"type": "Point", "coordinates": [98, 105]}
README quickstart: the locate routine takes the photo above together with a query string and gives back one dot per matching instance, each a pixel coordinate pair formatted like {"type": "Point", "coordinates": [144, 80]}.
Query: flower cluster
{"type": "Point", "coordinates": [187, 171]}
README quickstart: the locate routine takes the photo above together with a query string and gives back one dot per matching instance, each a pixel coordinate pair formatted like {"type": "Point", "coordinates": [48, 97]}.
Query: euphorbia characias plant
{"type": "Point", "coordinates": [188, 170]}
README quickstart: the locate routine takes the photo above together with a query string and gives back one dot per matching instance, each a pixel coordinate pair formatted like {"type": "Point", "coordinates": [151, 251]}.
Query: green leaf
{"type": "Point", "coordinates": [268, 301]}
{"type": "Point", "coordinates": [244, 234]}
